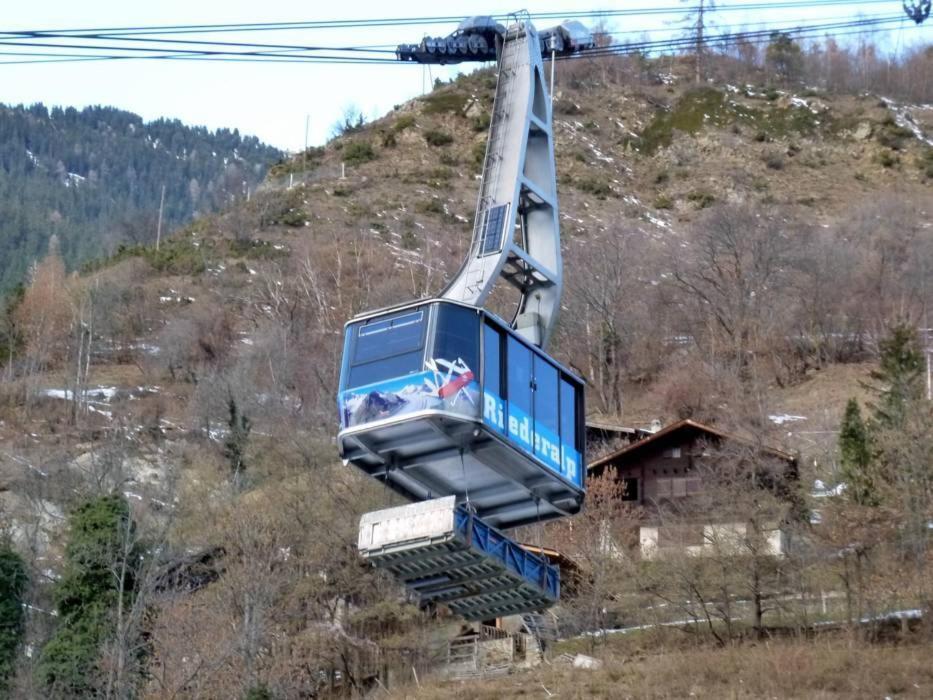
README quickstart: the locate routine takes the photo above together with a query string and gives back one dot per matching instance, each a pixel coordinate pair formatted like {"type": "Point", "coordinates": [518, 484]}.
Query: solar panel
{"type": "Point", "coordinates": [493, 230]}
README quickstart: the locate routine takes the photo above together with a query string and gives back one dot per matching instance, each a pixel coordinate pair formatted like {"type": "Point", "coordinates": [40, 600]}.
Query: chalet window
{"type": "Point", "coordinates": [678, 488]}
{"type": "Point", "coordinates": [673, 452]}
{"type": "Point", "coordinates": [680, 536]}
{"type": "Point", "coordinates": [629, 489]}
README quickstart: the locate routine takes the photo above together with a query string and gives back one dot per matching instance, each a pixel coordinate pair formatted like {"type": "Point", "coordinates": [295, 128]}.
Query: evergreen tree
{"type": "Point", "coordinates": [235, 445]}
{"type": "Point", "coordinates": [86, 596]}
{"type": "Point", "coordinates": [899, 379]}
{"type": "Point", "coordinates": [856, 457]}
{"type": "Point", "coordinates": [13, 580]}
{"type": "Point", "coordinates": [784, 56]}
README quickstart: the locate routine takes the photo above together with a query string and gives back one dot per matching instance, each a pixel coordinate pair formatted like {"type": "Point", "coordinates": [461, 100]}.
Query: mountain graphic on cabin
{"type": "Point", "coordinates": [376, 405]}
{"type": "Point", "coordinates": [444, 385]}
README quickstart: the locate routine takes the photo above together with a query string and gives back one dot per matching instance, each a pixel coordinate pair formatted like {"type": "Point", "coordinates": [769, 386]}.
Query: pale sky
{"type": "Point", "coordinates": [272, 101]}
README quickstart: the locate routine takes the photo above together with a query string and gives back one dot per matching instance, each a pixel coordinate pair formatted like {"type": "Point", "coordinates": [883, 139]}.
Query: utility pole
{"type": "Point", "coordinates": [698, 31]}
{"type": "Point", "coordinates": [305, 168]}
{"type": "Point", "coordinates": [699, 48]}
{"type": "Point", "coordinates": [159, 226]}
{"type": "Point", "coordinates": [927, 335]}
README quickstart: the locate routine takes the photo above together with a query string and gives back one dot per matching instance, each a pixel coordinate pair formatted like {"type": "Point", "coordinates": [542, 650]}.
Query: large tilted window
{"type": "Point", "coordinates": [384, 348]}
{"type": "Point", "coordinates": [456, 339]}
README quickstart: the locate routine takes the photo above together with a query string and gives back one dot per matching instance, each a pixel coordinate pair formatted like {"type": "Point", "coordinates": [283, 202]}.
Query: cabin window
{"type": "Point", "coordinates": [547, 430]}
{"type": "Point", "coordinates": [384, 348]}
{"type": "Point", "coordinates": [629, 488]}
{"type": "Point", "coordinates": [492, 357]}
{"type": "Point", "coordinates": [457, 338]}
{"type": "Point", "coordinates": [519, 391]}
{"type": "Point", "coordinates": [569, 422]}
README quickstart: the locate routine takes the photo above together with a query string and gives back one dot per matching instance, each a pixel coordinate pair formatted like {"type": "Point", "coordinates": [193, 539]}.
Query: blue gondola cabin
{"type": "Point", "coordinates": [439, 398]}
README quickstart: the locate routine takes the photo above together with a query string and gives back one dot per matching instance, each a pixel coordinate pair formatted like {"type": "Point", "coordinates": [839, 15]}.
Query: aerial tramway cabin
{"type": "Point", "coordinates": [439, 398]}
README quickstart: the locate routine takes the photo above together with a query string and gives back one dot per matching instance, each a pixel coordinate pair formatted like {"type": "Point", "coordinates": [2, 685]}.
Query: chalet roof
{"type": "Point", "coordinates": [611, 427]}
{"type": "Point", "coordinates": [687, 425]}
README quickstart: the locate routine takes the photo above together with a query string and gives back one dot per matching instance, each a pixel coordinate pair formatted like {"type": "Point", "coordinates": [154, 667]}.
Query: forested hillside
{"type": "Point", "coordinates": [94, 177]}
{"type": "Point", "coordinates": [751, 252]}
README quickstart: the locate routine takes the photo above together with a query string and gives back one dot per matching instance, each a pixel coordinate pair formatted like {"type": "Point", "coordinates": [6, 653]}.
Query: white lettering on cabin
{"type": "Point", "coordinates": [570, 467]}
{"type": "Point", "coordinates": [492, 411]}
{"type": "Point", "coordinates": [547, 449]}
{"type": "Point", "coordinates": [521, 429]}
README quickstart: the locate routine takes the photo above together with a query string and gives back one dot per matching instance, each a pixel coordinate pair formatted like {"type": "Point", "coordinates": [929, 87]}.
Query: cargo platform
{"type": "Point", "coordinates": [447, 555]}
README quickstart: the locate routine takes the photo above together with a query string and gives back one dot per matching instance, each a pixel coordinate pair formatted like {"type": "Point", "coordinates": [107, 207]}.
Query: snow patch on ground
{"type": "Point", "coordinates": [822, 490]}
{"type": "Point", "coordinates": [904, 119]}
{"type": "Point", "coordinates": [782, 418]}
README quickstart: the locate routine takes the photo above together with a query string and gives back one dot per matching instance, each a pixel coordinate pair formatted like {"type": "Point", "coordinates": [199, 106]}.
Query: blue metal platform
{"type": "Point", "coordinates": [447, 555]}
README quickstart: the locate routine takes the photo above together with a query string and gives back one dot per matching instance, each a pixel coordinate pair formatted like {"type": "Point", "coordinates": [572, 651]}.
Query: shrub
{"type": "Point", "coordinates": [478, 153]}
{"type": "Point", "coordinates": [177, 256]}
{"type": "Point", "coordinates": [357, 152]}
{"type": "Point", "coordinates": [430, 206]}
{"type": "Point", "coordinates": [701, 199]}
{"type": "Point", "coordinates": [775, 161]}
{"type": "Point", "coordinates": [564, 106]}
{"type": "Point", "coordinates": [663, 201]}
{"type": "Point", "coordinates": [306, 159]}
{"type": "Point", "coordinates": [926, 162]}
{"type": "Point", "coordinates": [437, 137]}
{"type": "Point", "coordinates": [445, 101]}
{"type": "Point", "coordinates": [256, 249]}
{"type": "Point", "coordinates": [893, 136]}
{"type": "Point", "coordinates": [596, 186]}
{"type": "Point", "coordinates": [888, 159]}
{"type": "Point", "coordinates": [403, 122]}
{"type": "Point", "coordinates": [409, 240]}
{"type": "Point", "coordinates": [481, 123]}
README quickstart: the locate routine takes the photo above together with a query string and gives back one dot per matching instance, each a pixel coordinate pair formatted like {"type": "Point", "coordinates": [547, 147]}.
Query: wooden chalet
{"type": "Point", "coordinates": [665, 472]}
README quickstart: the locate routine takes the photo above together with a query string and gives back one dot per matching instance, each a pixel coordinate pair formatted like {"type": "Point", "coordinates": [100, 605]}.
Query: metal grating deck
{"type": "Point", "coordinates": [471, 567]}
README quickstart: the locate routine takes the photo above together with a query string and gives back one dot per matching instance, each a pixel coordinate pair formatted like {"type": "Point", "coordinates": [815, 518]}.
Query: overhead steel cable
{"type": "Point", "coordinates": [193, 44]}
{"type": "Point", "coordinates": [189, 42]}
{"type": "Point", "coordinates": [294, 54]}
{"type": "Point", "coordinates": [734, 37]}
{"type": "Point", "coordinates": [754, 41]}
{"type": "Point", "coordinates": [180, 53]}
{"type": "Point", "coordinates": [445, 19]}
